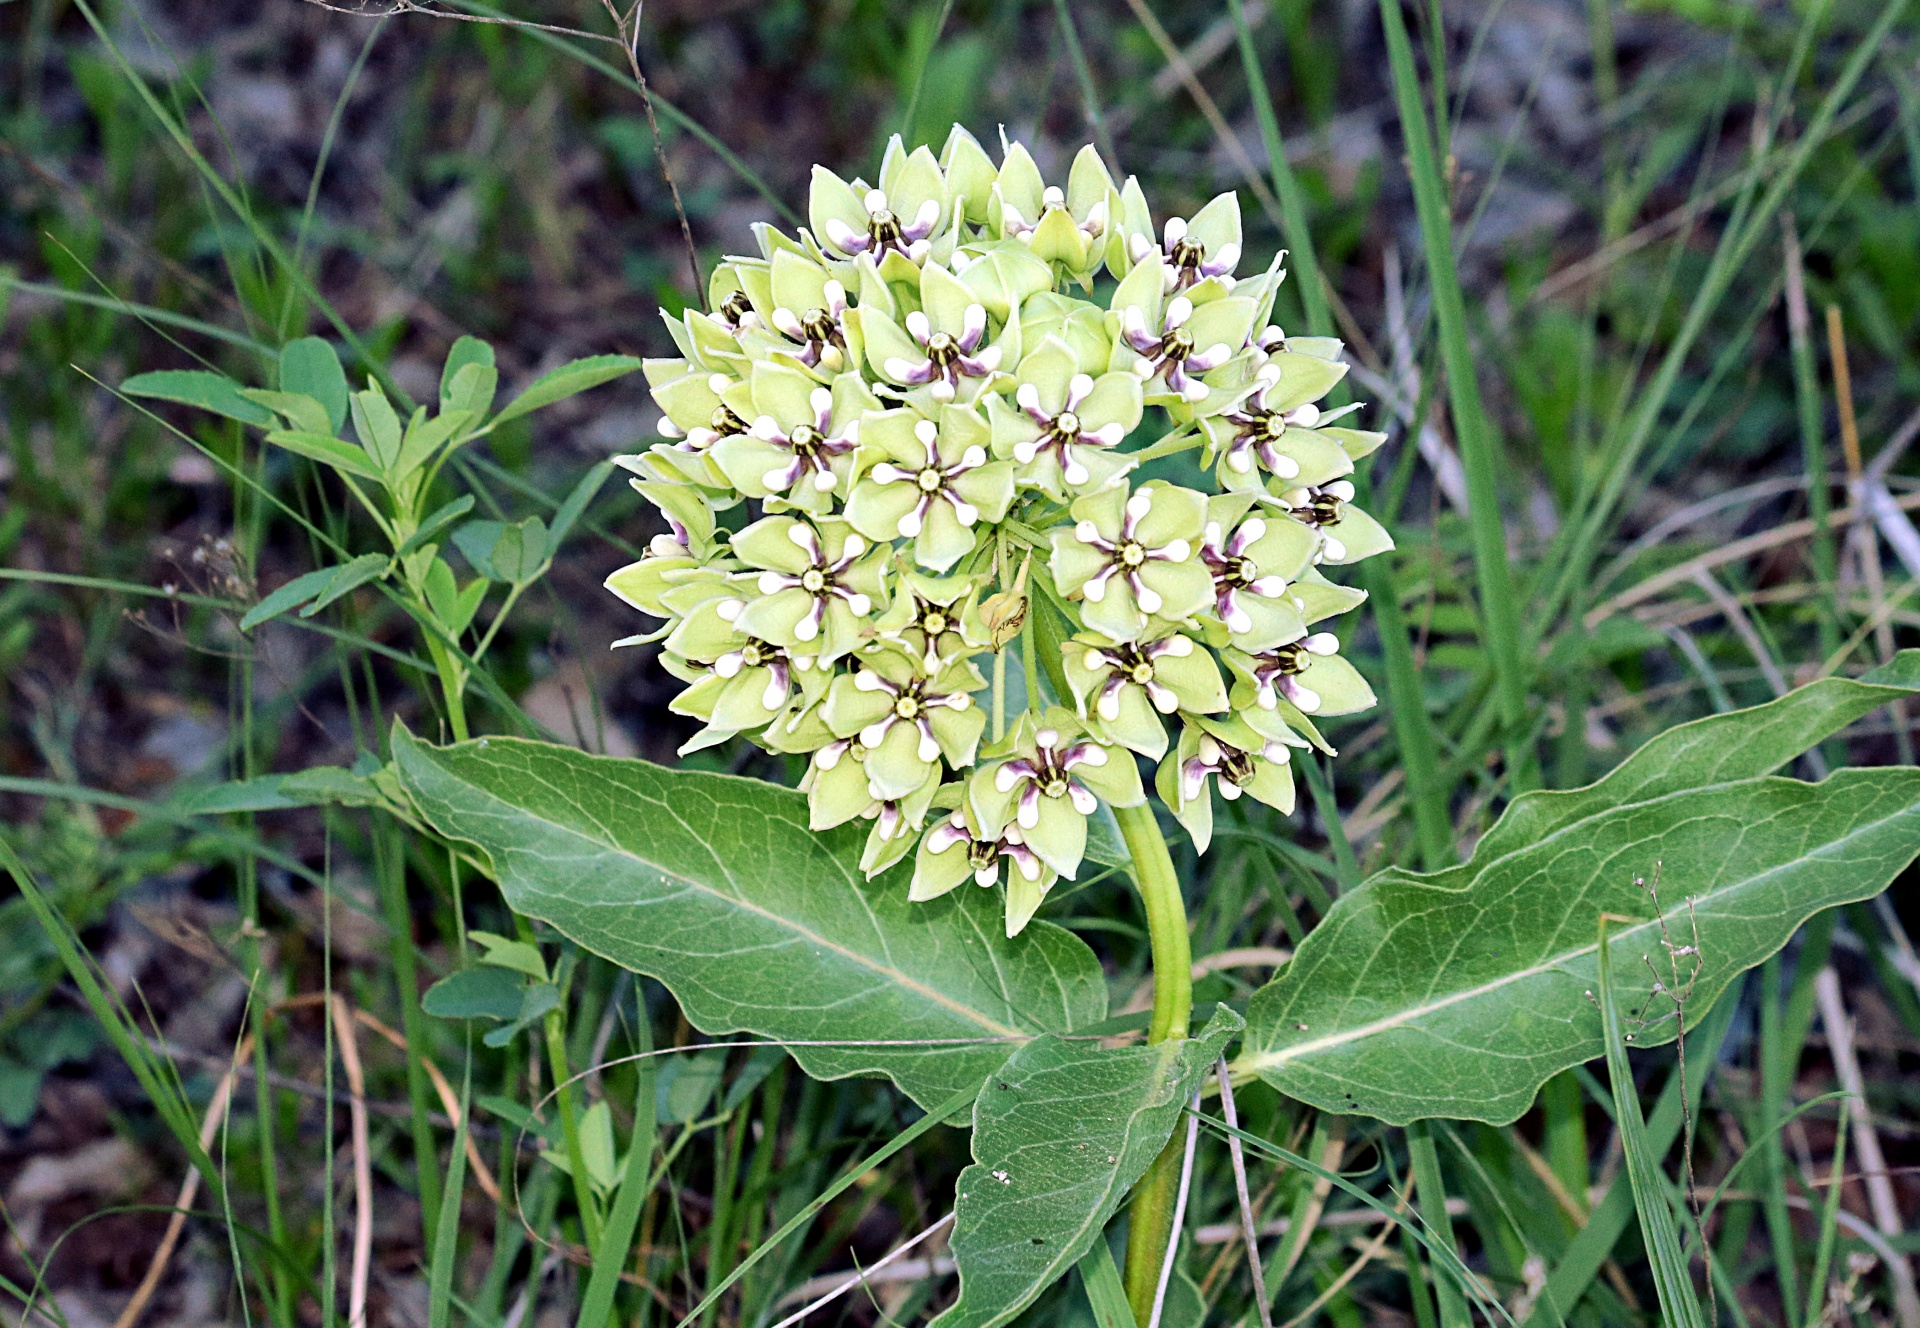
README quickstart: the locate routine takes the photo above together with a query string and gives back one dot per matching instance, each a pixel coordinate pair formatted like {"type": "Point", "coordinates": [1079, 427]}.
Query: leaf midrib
{"type": "Point", "coordinates": [738, 901]}
{"type": "Point", "coordinates": [1267, 1060]}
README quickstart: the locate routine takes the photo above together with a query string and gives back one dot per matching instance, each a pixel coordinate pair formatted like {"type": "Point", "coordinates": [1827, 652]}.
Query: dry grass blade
{"type": "Point", "coordinates": [1367, 1255]}
{"type": "Point", "coordinates": [840, 1288]}
{"type": "Point", "coordinates": [1179, 1212]}
{"type": "Point", "coordinates": [362, 1266]}
{"type": "Point", "coordinates": [1866, 1140]}
{"type": "Point", "coordinates": [189, 1190]}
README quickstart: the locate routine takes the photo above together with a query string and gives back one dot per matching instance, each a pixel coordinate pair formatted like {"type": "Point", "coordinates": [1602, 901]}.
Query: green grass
{"type": "Point", "coordinates": [501, 181]}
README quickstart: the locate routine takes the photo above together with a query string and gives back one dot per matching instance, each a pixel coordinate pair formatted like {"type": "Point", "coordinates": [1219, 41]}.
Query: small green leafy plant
{"type": "Point", "coordinates": [924, 540]}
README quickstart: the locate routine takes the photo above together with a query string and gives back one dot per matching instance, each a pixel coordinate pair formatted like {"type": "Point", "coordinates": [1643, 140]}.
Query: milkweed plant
{"type": "Point", "coordinates": [920, 431]}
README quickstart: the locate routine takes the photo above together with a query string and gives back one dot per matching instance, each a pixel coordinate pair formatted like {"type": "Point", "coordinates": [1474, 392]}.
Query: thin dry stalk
{"type": "Point", "coordinates": [1866, 1140]}
{"type": "Point", "coordinates": [1732, 552]}
{"type": "Point", "coordinates": [1247, 1225]}
{"type": "Point", "coordinates": [1743, 628]}
{"type": "Point", "coordinates": [362, 1267]}
{"type": "Point", "coordinates": [189, 1190]}
{"type": "Point", "coordinates": [1179, 1212]}
{"type": "Point", "coordinates": [1335, 1287]}
{"type": "Point", "coordinates": [449, 1102]}
{"type": "Point", "coordinates": [866, 1274]}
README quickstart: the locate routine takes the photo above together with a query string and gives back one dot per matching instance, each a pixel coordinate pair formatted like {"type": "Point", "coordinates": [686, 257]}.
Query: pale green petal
{"type": "Point", "coordinates": [1177, 513]}
{"type": "Point", "coordinates": [767, 544]}
{"type": "Point", "coordinates": [1303, 378]}
{"type": "Point", "coordinates": [832, 197]}
{"type": "Point", "coordinates": [934, 874]}
{"type": "Point", "coordinates": [894, 768]}
{"type": "Point", "coordinates": [1185, 588]}
{"type": "Point", "coordinates": [1059, 837]}
{"type": "Point", "coordinates": [943, 541]}
{"type": "Point", "coordinates": [1218, 223]}
{"type": "Point", "coordinates": [970, 174]}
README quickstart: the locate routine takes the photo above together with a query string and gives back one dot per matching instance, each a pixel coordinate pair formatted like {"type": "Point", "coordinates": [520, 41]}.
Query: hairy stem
{"type": "Point", "coordinates": [1153, 1198]}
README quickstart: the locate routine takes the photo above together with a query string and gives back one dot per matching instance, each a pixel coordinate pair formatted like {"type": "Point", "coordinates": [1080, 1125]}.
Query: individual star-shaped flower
{"type": "Point", "coordinates": [799, 447]}
{"type": "Point", "coordinates": [903, 216]}
{"type": "Point", "coordinates": [1275, 426]}
{"type": "Point", "coordinates": [1068, 228]}
{"type": "Point", "coordinates": [945, 347]}
{"type": "Point", "coordinates": [906, 719]}
{"type": "Point", "coordinates": [1277, 689]}
{"type": "Point", "coordinates": [818, 586]}
{"type": "Point", "coordinates": [838, 791]}
{"type": "Point", "coordinates": [1052, 778]}
{"type": "Point", "coordinates": [1192, 252]}
{"type": "Point", "coordinates": [958, 847]}
{"type": "Point", "coordinates": [934, 618]}
{"type": "Point", "coordinates": [929, 480]}
{"type": "Point", "coordinates": [694, 415]}
{"type": "Point", "coordinates": [1064, 423]}
{"type": "Point", "coordinates": [682, 553]}
{"type": "Point", "coordinates": [1130, 556]}
{"type": "Point", "coordinates": [1347, 534]}
{"type": "Point", "coordinates": [806, 322]}
{"type": "Point", "coordinates": [1252, 560]}
{"type": "Point", "coordinates": [1171, 342]}
{"type": "Point", "coordinates": [740, 683]}
{"type": "Point", "coordinates": [1127, 685]}
{"type": "Point", "coordinates": [1232, 755]}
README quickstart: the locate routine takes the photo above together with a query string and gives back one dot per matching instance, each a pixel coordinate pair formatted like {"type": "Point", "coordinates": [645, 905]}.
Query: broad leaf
{"type": "Point", "coordinates": [310, 366]}
{"type": "Point", "coordinates": [1061, 1133]}
{"type": "Point", "coordinates": [715, 886]}
{"type": "Point", "coordinates": [198, 387]}
{"type": "Point", "coordinates": [558, 384]}
{"type": "Point", "coordinates": [346, 578]}
{"type": "Point", "coordinates": [1458, 993]}
{"type": "Point", "coordinates": [435, 523]}
{"type": "Point", "coordinates": [474, 392]}
{"type": "Point", "coordinates": [315, 787]}
{"type": "Point", "coordinates": [327, 450]}
{"type": "Point", "coordinates": [293, 594]}
{"type": "Point", "coordinates": [481, 992]}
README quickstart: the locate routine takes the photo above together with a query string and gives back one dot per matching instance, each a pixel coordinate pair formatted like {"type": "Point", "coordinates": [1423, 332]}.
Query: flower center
{"type": "Point", "coordinates": [1324, 509]}
{"type": "Point", "coordinates": [1054, 786]}
{"type": "Point", "coordinates": [981, 855]}
{"type": "Point", "coordinates": [929, 480]}
{"type": "Point", "coordinates": [1290, 659]}
{"type": "Point", "coordinates": [1067, 425]}
{"type": "Point", "coordinates": [819, 325]}
{"type": "Point", "coordinates": [1268, 425]}
{"type": "Point", "coordinates": [1236, 765]}
{"type": "Point", "coordinates": [805, 438]}
{"type": "Point", "coordinates": [1141, 673]}
{"type": "Point", "coordinates": [813, 580]}
{"type": "Point", "coordinates": [753, 655]}
{"type": "Point", "coordinates": [724, 421]}
{"type": "Point", "coordinates": [934, 623]}
{"type": "Point", "coordinates": [1239, 571]}
{"type": "Point", "coordinates": [1178, 344]}
{"type": "Point", "coordinates": [737, 307]}
{"type": "Point", "coordinates": [1188, 253]}
{"type": "Point", "coordinates": [907, 707]}
{"type": "Point", "coordinates": [942, 347]}
{"type": "Point", "coordinates": [1131, 554]}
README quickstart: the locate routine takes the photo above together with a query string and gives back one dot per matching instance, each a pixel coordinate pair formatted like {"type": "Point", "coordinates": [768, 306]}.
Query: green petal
{"type": "Point", "coordinates": [943, 541]}
{"type": "Point", "coordinates": [1303, 378]}
{"type": "Point", "coordinates": [880, 854]}
{"type": "Point", "coordinates": [1339, 685]}
{"type": "Point", "coordinates": [1116, 783]}
{"type": "Point", "coordinates": [773, 617]}
{"type": "Point", "coordinates": [1185, 588]}
{"type": "Point", "coordinates": [1176, 513]}
{"type": "Point", "coordinates": [875, 509]}
{"type": "Point", "coordinates": [945, 298]}
{"type": "Point", "coordinates": [1275, 622]}
{"type": "Point", "coordinates": [1005, 278]}
{"type": "Point", "coordinates": [1058, 240]}
{"type": "Point", "coordinates": [894, 768]}
{"type": "Point", "coordinates": [1221, 322]}
{"type": "Point", "coordinates": [1142, 289]}
{"type": "Point", "coordinates": [917, 179]}
{"type": "Point", "coordinates": [989, 488]}
{"type": "Point", "coordinates": [766, 544]}
{"type": "Point", "coordinates": [1020, 181]}
{"type": "Point", "coordinates": [958, 733]}
{"type": "Point", "coordinates": [934, 874]}
{"type": "Point", "coordinates": [830, 196]}
{"type": "Point", "coordinates": [741, 703]}
{"type": "Point", "coordinates": [836, 796]}
{"type": "Point", "coordinates": [689, 401]}
{"type": "Point", "coordinates": [1218, 223]}
{"type": "Point", "coordinates": [1023, 899]}
{"type": "Point", "coordinates": [1272, 784]}
{"type": "Point", "coordinates": [1059, 837]}
{"type": "Point", "coordinates": [705, 635]}
{"type": "Point", "coordinates": [970, 174]}
{"type": "Point", "coordinates": [1116, 615]}
{"type": "Point", "coordinates": [1073, 564]}
{"type": "Point", "coordinates": [1356, 443]}
{"type": "Point", "coordinates": [1115, 399]}
{"type": "Point", "coordinates": [1138, 725]}
{"type": "Point", "coordinates": [847, 709]}
{"type": "Point", "coordinates": [1050, 367]}
{"type": "Point", "coordinates": [640, 584]}
{"type": "Point", "coordinates": [1361, 534]}
{"type": "Point", "coordinates": [1195, 679]}
{"type": "Point", "coordinates": [1088, 182]}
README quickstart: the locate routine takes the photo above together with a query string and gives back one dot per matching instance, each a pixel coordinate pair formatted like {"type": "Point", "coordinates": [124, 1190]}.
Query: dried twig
{"type": "Point", "coordinates": [1179, 1212]}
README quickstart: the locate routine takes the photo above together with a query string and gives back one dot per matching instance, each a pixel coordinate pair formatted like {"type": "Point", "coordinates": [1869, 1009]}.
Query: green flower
{"type": "Point", "coordinates": [1192, 252]}
{"type": "Point", "coordinates": [930, 482]}
{"type": "Point", "coordinates": [740, 682]}
{"type": "Point", "coordinates": [945, 347]}
{"type": "Point", "coordinates": [1277, 690]}
{"type": "Point", "coordinates": [970, 175]}
{"type": "Point", "coordinates": [1346, 533]}
{"type": "Point", "coordinates": [1082, 326]}
{"type": "Point", "coordinates": [906, 719]}
{"type": "Point", "coordinates": [681, 554]}
{"type": "Point", "coordinates": [937, 619]}
{"type": "Point", "coordinates": [1129, 557]}
{"type": "Point", "coordinates": [1069, 228]}
{"type": "Point", "coordinates": [957, 847]}
{"type": "Point", "coordinates": [1048, 785]}
{"type": "Point", "coordinates": [904, 216]}
{"type": "Point", "coordinates": [695, 414]}
{"type": "Point", "coordinates": [1063, 423]}
{"type": "Point", "coordinates": [1275, 426]}
{"type": "Point", "coordinates": [1172, 342]}
{"type": "Point", "coordinates": [1252, 561]}
{"type": "Point", "coordinates": [799, 448]}
{"type": "Point", "coordinates": [837, 791]}
{"type": "Point", "coordinates": [1127, 685]}
{"type": "Point", "coordinates": [806, 323]}
{"type": "Point", "coordinates": [818, 587]}
{"type": "Point", "coordinates": [1243, 761]}
{"type": "Point", "coordinates": [895, 824]}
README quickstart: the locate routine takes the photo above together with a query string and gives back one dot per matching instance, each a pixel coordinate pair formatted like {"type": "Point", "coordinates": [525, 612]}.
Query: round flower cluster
{"type": "Point", "coordinates": [900, 440]}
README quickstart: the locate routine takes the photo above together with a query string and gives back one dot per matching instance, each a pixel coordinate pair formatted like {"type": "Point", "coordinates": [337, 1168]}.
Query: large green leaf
{"type": "Point", "coordinates": [1458, 993]}
{"type": "Point", "coordinates": [715, 886]}
{"type": "Point", "coordinates": [1061, 1133]}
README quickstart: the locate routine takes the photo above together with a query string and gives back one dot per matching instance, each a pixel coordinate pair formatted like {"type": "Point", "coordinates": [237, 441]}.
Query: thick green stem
{"type": "Point", "coordinates": [1153, 1198]}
